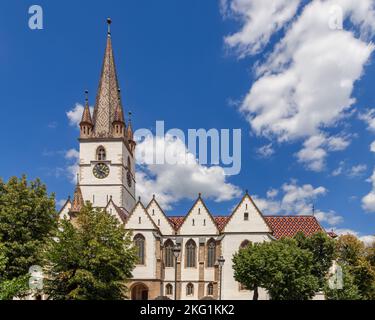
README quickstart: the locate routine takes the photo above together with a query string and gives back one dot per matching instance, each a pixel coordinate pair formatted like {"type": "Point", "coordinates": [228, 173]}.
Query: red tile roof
{"type": "Point", "coordinates": [221, 222]}
{"type": "Point", "coordinates": [282, 226]}
{"type": "Point", "coordinates": [176, 221]}
{"type": "Point", "coordinates": [289, 226]}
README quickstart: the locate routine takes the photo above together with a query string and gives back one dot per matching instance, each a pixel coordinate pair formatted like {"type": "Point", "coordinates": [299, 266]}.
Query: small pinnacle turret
{"type": "Point", "coordinates": [118, 120]}
{"type": "Point", "coordinates": [86, 124]}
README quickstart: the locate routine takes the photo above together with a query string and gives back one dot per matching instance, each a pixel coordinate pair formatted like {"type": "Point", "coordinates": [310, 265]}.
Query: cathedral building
{"type": "Point", "coordinates": [204, 243]}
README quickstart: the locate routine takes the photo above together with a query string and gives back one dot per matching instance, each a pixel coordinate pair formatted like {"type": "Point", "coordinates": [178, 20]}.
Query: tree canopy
{"type": "Point", "coordinates": [27, 218]}
{"type": "Point", "coordinates": [90, 258]}
{"type": "Point", "coordinates": [281, 267]}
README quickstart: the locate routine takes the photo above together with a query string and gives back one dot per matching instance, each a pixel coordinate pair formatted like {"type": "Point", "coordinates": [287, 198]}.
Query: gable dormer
{"type": "Point", "coordinates": [246, 218]}
{"type": "Point", "coordinates": [198, 221]}
{"type": "Point", "coordinates": [139, 219]}
{"type": "Point", "coordinates": [120, 214]}
{"type": "Point", "coordinates": [159, 218]}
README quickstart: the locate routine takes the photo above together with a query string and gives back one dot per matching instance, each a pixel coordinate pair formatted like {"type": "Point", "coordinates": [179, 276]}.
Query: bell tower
{"type": "Point", "coordinates": [107, 147]}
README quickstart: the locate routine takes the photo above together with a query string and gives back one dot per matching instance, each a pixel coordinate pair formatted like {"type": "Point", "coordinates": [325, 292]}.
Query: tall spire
{"type": "Point", "coordinates": [108, 97]}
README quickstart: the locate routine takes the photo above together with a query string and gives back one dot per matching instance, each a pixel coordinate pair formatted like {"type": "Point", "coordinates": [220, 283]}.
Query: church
{"type": "Point", "coordinates": [179, 257]}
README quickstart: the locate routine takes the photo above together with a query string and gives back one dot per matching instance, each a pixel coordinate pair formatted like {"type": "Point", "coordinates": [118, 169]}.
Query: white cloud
{"type": "Point", "coordinates": [315, 150]}
{"type": "Point", "coordinates": [296, 200]}
{"type": "Point", "coordinates": [272, 193]}
{"type": "Point", "coordinates": [60, 203]}
{"type": "Point", "coordinates": [367, 239]}
{"type": "Point", "coordinates": [340, 169]}
{"type": "Point", "coordinates": [182, 180]}
{"type": "Point", "coordinates": [72, 169]}
{"type": "Point", "coordinates": [357, 171]}
{"type": "Point", "coordinates": [330, 217]}
{"type": "Point", "coordinates": [368, 201]}
{"type": "Point", "coordinates": [372, 147]}
{"type": "Point", "coordinates": [260, 20]}
{"type": "Point", "coordinates": [305, 85]}
{"type": "Point", "coordinates": [265, 151]}
{"type": "Point", "coordinates": [369, 118]}
{"type": "Point", "coordinates": [75, 115]}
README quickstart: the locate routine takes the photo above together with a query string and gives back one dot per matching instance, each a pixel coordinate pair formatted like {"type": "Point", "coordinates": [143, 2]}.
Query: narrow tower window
{"type": "Point", "coordinates": [101, 154]}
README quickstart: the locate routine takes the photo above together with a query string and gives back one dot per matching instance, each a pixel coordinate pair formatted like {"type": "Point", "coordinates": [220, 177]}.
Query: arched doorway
{"type": "Point", "coordinates": [139, 292]}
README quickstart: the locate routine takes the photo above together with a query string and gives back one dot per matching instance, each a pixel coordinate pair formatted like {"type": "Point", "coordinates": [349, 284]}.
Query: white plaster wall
{"type": "Point", "coordinates": [255, 223]}
{"type": "Point", "coordinates": [203, 223]}
{"type": "Point", "coordinates": [116, 158]}
{"type": "Point", "coordinates": [64, 213]}
{"type": "Point", "coordinates": [159, 219]}
{"type": "Point", "coordinates": [183, 291]}
{"type": "Point", "coordinates": [230, 245]}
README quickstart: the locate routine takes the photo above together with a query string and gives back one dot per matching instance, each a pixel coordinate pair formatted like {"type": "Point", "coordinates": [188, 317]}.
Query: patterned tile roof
{"type": "Point", "coordinates": [77, 202]}
{"type": "Point", "coordinates": [108, 97]}
{"type": "Point", "coordinates": [221, 221]}
{"type": "Point", "coordinates": [289, 226]}
{"type": "Point", "coordinates": [282, 226]}
{"type": "Point", "coordinates": [176, 221]}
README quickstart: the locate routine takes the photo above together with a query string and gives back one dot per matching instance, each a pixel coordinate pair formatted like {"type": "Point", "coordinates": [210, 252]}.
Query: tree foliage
{"type": "Point", "coordinates": [280, 267]}
{"type": "Point", "coordinates": [349, 291]}
{"type": "Point", "coordinates": [27, 218]}
{"type": "Point", "coordinates": [357, 260]}
{"type": "Point", "coordinates": [90, 259]}
{"type": "Point", "coordinates": [322, 248]}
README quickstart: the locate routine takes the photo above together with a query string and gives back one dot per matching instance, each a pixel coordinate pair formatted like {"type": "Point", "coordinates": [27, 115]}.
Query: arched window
{"type": "Point", "coordinates": [189, 289]}
{"type": "Point", "coordinates": [244, 244]}
{"type": "Point", "coordinates": [211, 253]}
{"type": "Point", "coordinates": [246, 216]}
{"type": "Point", "coordinates": [168, 254]}
{"type": "Point", "coordinates": [168, 289]}
{"type": "Point", "coordinates": [139, 242]}
{"type": "Point", "coordinates": [191, 256]}
{"type": "Point", "coordinates": [210, 289]}
{"type": "Point", "coordinates": [101, 154]}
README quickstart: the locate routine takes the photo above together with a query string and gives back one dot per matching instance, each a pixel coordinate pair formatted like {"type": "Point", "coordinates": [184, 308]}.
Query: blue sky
{"type": "Point", "coordinates": [177, 62]}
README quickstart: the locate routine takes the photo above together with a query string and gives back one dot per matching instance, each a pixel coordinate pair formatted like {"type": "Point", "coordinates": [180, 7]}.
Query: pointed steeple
{"type": "Point", "coordinates": [108, 101]}
{"type": "Point", "coordinates": [86, 122]}
{"type": "Point", "coordinates": [78, 202]}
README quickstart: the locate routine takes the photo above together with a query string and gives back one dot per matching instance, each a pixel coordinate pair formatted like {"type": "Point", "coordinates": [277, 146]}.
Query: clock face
{"type": "Point", "coordinates": [101, 171]}
{"type": "Point", "coordinates": [129, 179]}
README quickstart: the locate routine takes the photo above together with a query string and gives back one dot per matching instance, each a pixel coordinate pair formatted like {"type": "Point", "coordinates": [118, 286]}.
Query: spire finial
{"type": "Point", "coordinates": [130, 116]}
{"type": "Point", "coordinates": [77, 179]}
{"type": "Point", "coordinates": [109, 22]}
{"type": "Point", "coordinates": [87, 95]}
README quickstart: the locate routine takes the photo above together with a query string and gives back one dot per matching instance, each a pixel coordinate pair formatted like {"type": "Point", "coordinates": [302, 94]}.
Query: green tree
{"type": "Point", "coordinates": [90, 258]}
{"type": "Point", "coordinates": [281, 267]}
{"type": "Point", "coordinates": [349, 291]}
{"type": "Point", "coordinates": [357, 259]}
{"type": "Point", "coordinates": [322, 248]}
{"type": "Point", "coordinates": [27, 218]}
{"type": "Point", "coordinates": [249, 267]}
{"type": "Point", "coordinates": [349, 249]}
